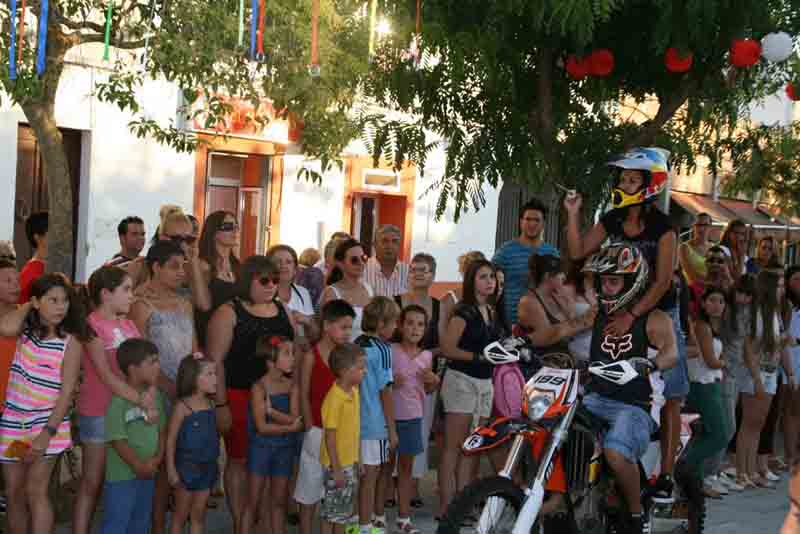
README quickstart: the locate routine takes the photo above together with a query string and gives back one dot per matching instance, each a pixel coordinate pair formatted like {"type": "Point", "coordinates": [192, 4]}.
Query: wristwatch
{"type": "Point", "coordinates": [51, 430]}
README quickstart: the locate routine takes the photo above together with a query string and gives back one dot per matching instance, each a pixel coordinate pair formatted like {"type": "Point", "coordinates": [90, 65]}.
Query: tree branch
{"type": "Point", "coordinates": [541, 119]}
{"type": "Point", "coordinates": [667, 108]}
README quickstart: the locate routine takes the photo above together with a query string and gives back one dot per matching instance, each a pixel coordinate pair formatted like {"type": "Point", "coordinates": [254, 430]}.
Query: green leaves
{"type": "Point", "coordinates": [492, 85]}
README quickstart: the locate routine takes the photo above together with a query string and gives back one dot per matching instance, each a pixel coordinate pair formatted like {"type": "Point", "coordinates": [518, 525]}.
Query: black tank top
{"type": "Point", "coordinates": [221, 292]}
{"type": "Point", "coordinates": [558, 346]}
{"type": "Point", "coordinates": [242, 366]}
{"type": "Point", "coordinates": [608, 349]}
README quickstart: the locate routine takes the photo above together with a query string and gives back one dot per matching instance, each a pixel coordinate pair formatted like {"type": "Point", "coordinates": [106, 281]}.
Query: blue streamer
{"type": "Point", "coordinates": [41, 53]}
{"type": "Point", "coordinates": [12, 49]}
{"type": "Point", "coordinates": [253, 30]}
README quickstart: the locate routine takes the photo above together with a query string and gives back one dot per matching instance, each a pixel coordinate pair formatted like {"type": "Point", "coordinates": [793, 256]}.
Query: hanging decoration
{"type": "Point", "coordinates": [777, 47]}
{"type": "Point", "coordinates": [107, 39]}
{"type": "Point", "coordinates": [577, 67]}
{"type": "Point", "coordinates": [262, 17]}
{"type": "Point", "coordinates": [41, 49]}
{"type": "Point", "coordinates": [22, 30]}
{"type": "Point", "coordinates": [792, 92]}
{"type": "Point", "coordinates": [601, 63]}
{"type": "Point", "coordinates": [677, 62]}
{"type": "Point", "coordinates": [241, 23]}
{"type": "Point", "coordinates": [745, 53]}
{"type": "Point", "coordinates": [373, 16]}
{"type": "Point", "coordinates": [253, 28]}
{"type": "Point", "coordinates": [12, 53]}
{"type": "Point", "coordinates": [314, 69]}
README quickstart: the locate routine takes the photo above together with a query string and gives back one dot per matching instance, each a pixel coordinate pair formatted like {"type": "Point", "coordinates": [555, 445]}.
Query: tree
{"type": "Point", "coordinates": [490, 80]}
{"type": "Point", "coordinates": [194, 44]}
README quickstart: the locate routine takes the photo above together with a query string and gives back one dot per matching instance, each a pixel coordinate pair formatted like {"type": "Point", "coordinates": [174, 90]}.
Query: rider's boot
{"type": "Point", "coordinates": [662, 489]}
{"type": "Point", "coordinates": [689, 482]}
{"type": "Point", "coordinates": [639, 524]}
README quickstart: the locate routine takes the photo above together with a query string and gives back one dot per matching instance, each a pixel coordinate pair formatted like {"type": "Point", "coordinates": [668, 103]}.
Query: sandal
{"type": "Point", "coordinates": [379, 522]}
{"type": "Point", "coordinates": [745, 482]}
{"type": "Point", "coordinates": [405, 526]}
{"type": "Point", "coordinates": [762, 482]}
{"type": "Point", "coordinates": [711, 493]}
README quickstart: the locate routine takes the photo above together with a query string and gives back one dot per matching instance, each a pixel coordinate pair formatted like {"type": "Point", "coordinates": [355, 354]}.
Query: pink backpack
{"type": "Point", "coordinates": [508, 384]}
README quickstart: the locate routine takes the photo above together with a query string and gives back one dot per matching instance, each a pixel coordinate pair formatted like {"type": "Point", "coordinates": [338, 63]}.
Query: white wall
{"type": "Point", "coordinates": [310, 212]}
{"type": "Point", "coordinates": [445, 239]}
{"type": "Point", "coordinates": [121, 175]}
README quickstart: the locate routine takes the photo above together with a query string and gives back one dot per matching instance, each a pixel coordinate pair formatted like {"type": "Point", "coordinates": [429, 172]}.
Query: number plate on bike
{"type": "Point", "coordinates": [473, 442]}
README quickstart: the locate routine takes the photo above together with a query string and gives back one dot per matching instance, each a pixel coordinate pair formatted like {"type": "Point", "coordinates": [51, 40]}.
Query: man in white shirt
{"type": "Point", "coordinates": [384, 272]}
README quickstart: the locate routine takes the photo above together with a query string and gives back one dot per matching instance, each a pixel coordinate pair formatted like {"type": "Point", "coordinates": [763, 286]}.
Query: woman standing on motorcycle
{"type": "Point", "coordinates": [764, 351]}
{"type": "Point", "coordinates": [705, 394]}
{"type": "Point", "coordinates": [467, 387]}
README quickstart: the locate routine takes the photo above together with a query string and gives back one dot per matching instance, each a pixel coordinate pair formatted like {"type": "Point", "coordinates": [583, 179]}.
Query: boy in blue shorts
{"type": "Point", "coordinates": [378, 433]}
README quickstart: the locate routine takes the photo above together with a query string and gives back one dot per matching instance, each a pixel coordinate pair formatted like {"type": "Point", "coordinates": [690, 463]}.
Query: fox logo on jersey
{"type": "Point", "coordinates": [617, 346]}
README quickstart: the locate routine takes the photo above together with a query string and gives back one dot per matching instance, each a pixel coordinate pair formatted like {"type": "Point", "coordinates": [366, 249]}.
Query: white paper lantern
{"type": "Point", "coordinates": [777, 47]}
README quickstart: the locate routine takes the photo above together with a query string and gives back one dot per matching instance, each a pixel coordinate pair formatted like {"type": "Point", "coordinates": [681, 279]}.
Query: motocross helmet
{"type": "Point", "coordinates": [655, 170]}
{"type": "Point", "coordinates": [619, 259]}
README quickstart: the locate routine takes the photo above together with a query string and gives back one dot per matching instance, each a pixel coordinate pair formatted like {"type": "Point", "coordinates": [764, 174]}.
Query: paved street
{"type": "Point", "coordinates": [751, 512]}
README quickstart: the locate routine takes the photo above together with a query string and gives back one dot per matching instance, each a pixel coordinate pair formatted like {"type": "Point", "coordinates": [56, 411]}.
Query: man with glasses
{"type": "Point", "coordinates": [384, 272]}
{"type": "Point", "coordinates": [131, 241]}
{"type": "Point", "coordinates": [718, 274]}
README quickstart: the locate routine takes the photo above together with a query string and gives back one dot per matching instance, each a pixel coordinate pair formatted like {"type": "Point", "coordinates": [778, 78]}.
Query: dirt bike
{"type": "Point", "coordinates": [556, 434]}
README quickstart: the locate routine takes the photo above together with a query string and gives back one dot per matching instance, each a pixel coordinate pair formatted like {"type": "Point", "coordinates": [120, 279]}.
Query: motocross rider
{"type": "Point", "coordinates": [631, 410]}
{"type": "Point", "coordinates": [640, 176]}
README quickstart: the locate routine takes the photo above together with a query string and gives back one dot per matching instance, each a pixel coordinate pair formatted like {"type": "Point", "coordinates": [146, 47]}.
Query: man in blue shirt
{"type": "Point", "coordinates": [512, 256]}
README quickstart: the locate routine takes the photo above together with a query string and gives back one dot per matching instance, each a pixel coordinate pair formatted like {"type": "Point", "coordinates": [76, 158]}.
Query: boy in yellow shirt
{"type": "Point", "coordinates": [340, 450]}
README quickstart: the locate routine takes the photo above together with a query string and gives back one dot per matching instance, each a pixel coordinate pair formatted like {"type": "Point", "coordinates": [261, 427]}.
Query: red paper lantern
{"type": "Point", "coordinates": [577, 68]}
{"type": "Point", "coordinates": [791, 92]}
{"type": "Point", "coordinates": [601, 63]}
{"type": "Point", "coordinates": [676, 62]}
{"type": "Point", "coordinates": [745, 52]}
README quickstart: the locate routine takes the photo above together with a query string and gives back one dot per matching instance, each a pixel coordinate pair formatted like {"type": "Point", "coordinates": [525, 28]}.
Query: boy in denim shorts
{"type": "Point", "coordinates": [340, 450]}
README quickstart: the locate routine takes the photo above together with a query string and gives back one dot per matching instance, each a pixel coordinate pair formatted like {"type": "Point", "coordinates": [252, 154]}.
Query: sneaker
{"type": "Point", "coordinates": [769, 475]}
{"type": "Point", "coordinates": [729, 473]}
{"type": "Point", "coordinates": [662, 489]}
{"type": "Point", "coordinates": [712, 481]}
{"type": "Point", "coordinates": [730, 483]}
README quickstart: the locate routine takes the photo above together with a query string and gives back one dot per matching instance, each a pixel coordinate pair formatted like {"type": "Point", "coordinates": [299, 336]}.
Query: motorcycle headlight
{"type": "Point", "coordinates": [538, 404]}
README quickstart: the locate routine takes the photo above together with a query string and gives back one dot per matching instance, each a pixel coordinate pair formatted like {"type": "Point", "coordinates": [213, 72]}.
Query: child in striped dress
{"type": "Point", "coordinates": [35, 425]}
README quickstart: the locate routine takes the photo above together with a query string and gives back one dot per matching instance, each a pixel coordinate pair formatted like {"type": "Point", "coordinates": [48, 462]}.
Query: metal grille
{"type": "Point", "coordinates": [577, 453]}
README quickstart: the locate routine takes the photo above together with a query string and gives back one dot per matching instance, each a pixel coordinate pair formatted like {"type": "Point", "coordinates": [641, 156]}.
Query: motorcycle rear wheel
{"type": "Point", "coordinates": [469, 502]}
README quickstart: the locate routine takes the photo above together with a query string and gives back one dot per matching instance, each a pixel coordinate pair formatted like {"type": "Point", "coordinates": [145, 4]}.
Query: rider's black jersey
{"type": "Point", "coordinates": [608, 349]}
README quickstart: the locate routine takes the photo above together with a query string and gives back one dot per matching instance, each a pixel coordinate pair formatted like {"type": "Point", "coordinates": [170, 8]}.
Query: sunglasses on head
{"type": "Point", "coordinates": [357, 260]}
{"type": "Point", "coordinates": [718, 261]}
{"type": "Point", "coordinates": [273, 279]}
{"type": "Point", "coordinates": [228, 227]}
{"type": "Point", "coordinates": [188, 239]}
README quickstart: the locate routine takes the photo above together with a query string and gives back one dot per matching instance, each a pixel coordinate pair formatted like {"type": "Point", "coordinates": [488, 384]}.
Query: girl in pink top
{"type": "Point", "coordinates": [111, 292]}
{"type": "Point", "coordinates": [413, 376]}
{"type": "Point", "coordinates": [35, 423]}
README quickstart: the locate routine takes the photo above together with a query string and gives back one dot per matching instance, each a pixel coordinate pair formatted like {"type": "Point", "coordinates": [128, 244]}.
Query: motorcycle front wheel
{"type": "Point", "coordinates": [487, 506]}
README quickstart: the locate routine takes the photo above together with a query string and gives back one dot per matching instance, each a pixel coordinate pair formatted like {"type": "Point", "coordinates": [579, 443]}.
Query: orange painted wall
{"type": "Point", "coordinates": [354, 171]}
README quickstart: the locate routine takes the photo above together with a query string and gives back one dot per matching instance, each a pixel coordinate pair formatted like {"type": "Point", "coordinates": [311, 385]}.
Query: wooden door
{"type": "Point", "coordinates": [31, 186]}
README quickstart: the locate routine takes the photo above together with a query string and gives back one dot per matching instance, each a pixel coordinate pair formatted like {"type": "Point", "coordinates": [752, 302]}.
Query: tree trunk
{"type": "Point", "coordinates": [40, 113]}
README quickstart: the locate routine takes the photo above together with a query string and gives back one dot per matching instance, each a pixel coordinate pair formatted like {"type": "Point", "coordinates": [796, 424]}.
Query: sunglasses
{"type": "Point", "coordinates": [272, 279]}
{"type": "Point", "coordinates": [228, 227]}
{"type": "Point", "coordinates": [188, 239]}
{"type": "Point", "coordinates": [358, 260]}
{"type": "Point", "coordinates": [718, 261]}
